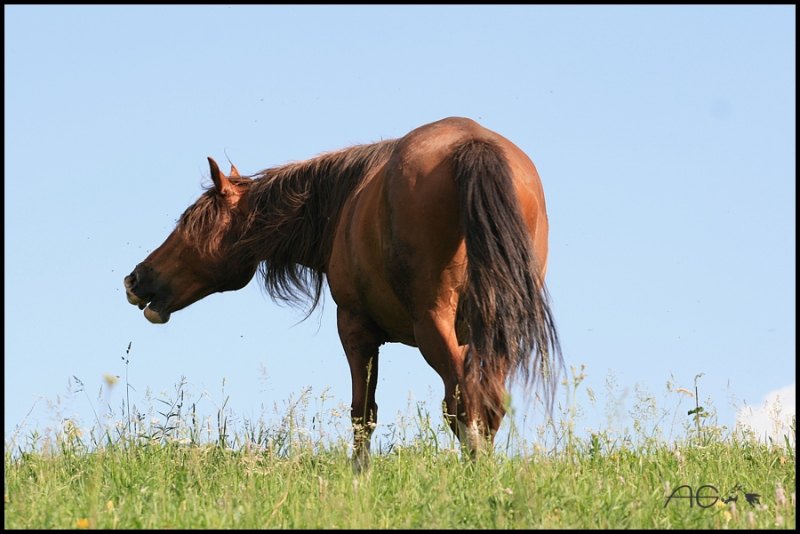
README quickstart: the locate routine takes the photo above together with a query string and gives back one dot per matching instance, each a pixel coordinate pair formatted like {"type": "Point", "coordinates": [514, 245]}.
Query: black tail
{"type": "Point", "coordinates": [505, 301]}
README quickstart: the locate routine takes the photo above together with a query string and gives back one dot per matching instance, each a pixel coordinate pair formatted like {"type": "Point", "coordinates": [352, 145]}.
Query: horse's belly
{"type": "Point", "coordinates": [372, 297]}
{"type": "Point", "coordinates": [398, 329]}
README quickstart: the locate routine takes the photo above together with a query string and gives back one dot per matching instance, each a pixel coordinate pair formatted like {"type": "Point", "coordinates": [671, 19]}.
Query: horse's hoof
{"type": "Point", "coordinates": [360, 464]}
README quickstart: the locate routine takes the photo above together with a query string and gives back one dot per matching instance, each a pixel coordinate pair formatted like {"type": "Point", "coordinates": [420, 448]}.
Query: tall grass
{"type": "Point", "coordinates": [172, 468]}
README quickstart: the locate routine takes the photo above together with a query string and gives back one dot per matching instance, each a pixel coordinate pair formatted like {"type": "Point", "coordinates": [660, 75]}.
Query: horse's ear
{"type": "Point", "coordinates": [234, 172]}
{"type": "Point", "coordinates": [221, 182]}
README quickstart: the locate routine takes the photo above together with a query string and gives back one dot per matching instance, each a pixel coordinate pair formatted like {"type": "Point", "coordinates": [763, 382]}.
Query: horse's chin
{"type": "Point", "coordinates": [155, 316]}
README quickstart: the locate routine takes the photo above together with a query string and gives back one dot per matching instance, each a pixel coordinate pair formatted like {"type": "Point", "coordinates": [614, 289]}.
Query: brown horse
{"type": "Point", "coordinates": [437, 240]}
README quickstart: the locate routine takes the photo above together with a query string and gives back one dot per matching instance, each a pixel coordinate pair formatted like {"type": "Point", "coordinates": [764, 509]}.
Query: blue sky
{"type": "Point", "coordinates": [664, 135]}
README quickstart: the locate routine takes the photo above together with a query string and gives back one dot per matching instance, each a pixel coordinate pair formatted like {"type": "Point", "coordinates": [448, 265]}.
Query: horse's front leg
{"type": "Point", "coordinates": [361, 339]}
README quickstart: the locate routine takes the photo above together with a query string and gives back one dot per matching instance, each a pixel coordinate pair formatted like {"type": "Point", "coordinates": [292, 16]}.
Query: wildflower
{"type": "Point", "coordinates": [71, 431]}
{"type": "Point", "coordinates": [82, 523]}
{"type": "Point", "coordinates": [679, 458]}
{"type": "Point", "coordinates": [110, 506]}
{"type": "Point", "coordinates": [110, 380]}
{"type": "Point", "coordinates": [780, 496]}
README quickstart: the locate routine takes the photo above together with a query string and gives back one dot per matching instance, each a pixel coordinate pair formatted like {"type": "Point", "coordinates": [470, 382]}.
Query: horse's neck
{"type": "Point", "coordinates": [300, 203]}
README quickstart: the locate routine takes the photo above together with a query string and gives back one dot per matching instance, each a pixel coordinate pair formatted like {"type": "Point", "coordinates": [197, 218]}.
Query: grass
{"type": "Point", "coordinates": [175, 472]}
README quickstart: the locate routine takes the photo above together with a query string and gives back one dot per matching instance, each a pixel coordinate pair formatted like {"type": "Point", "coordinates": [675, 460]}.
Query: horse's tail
{"type": "Point", "coordinates": [504, 301]}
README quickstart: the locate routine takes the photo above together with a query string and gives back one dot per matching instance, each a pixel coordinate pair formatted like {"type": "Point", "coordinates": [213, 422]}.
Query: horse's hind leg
{"type": "Point", "coordinates": [361, 339]}
{"type": "Point", "coordinates": [436, 337]}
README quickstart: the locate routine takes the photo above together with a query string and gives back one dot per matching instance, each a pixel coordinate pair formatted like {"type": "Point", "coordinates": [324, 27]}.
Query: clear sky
{"type": "Point", "coordinates": [664, 135]}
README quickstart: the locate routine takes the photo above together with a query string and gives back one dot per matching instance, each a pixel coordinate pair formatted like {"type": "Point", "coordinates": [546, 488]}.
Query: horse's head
{"type": "Point", "coordinates": [203, 255]}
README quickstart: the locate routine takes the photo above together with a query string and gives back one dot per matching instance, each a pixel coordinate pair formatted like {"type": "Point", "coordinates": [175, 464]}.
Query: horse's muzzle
{"type": "Point", "coordinates": [139, 292]}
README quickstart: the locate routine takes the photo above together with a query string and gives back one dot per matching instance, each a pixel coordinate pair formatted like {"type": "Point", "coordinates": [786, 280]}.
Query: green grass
{"type": "Point", "coordinates": [174, 472]}
{"type": "Point", "coordinates": [177, 486]}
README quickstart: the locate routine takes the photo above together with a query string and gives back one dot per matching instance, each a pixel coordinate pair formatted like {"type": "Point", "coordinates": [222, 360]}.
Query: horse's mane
{"type": "Point", "coordinates": [295, 211]}
{"type": "Point", "coordinates": [204, 223]}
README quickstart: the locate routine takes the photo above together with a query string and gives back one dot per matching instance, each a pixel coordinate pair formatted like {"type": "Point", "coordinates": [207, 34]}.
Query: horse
{"type": "Point", "coordinates": [437, 240]}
